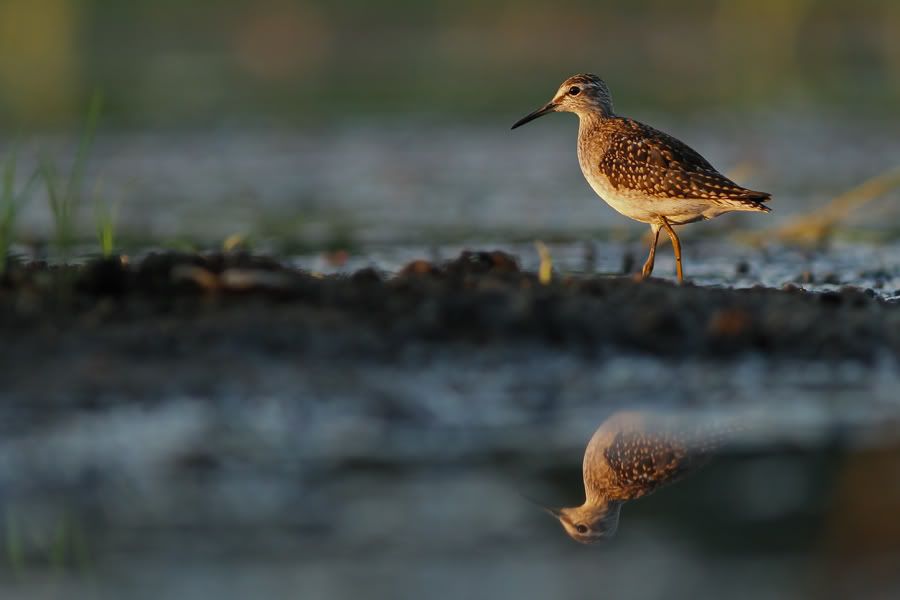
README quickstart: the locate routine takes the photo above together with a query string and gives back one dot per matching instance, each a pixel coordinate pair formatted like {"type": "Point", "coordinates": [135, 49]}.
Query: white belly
{"type": "Point", "coordinates": [649, 210]}
{"type": "Point", "coordinates": [631, 207]}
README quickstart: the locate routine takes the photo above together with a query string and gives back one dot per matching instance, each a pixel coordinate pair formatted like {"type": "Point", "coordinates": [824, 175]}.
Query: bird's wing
{"type": "Point", "coordinates": [646, 160]}
{"type": "Point", "coordinates": [642, 462]}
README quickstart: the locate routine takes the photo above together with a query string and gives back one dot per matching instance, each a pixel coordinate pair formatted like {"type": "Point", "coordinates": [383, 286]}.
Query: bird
{"type": "Point", "coordinates": [641, 172]}
{"type": "Point", "coordinates": [630, 455]}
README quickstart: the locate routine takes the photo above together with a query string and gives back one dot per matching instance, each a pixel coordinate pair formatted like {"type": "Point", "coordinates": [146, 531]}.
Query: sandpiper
{"type": "Point", "coordinates": [632, 454]}
{"type": "Point", "coordinates": [641, 172]}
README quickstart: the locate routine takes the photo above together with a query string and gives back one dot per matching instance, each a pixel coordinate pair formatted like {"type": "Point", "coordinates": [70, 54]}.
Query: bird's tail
{"type": "Point", "coordinates": [752, 202]}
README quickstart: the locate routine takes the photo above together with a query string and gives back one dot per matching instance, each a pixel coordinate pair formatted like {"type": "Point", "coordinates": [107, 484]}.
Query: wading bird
{"type": "Point", "coordinates": [641, 172]}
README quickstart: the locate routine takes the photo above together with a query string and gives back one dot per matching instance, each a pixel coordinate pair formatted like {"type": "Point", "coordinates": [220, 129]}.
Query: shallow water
{"type": "Point", "coordinates": [408, 476]}
{"type": "Point", "coordinates": [429, 182]}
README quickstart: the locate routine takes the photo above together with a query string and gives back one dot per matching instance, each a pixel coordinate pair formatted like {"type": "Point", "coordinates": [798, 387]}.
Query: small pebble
{"type": "Point", "coordinates": [417, 268]}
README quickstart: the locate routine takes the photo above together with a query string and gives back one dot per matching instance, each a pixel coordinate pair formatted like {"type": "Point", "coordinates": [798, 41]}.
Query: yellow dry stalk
{"type": "Point", "coordinates": [545, 271]}
{"type": "Point", "coordinates": [233, 241]}
{"type": "Point", "coordinates": [813, 229]}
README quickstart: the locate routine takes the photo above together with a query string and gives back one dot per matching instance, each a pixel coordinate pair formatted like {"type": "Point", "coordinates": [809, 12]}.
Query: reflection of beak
{"type": "Point", "coordinates": [553, 512]}
{"type": "Point", "coordinates": [548, 108]}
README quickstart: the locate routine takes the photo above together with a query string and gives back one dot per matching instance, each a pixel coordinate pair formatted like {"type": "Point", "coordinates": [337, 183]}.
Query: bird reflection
{"type": "Point", "coordinates": [632, 454]}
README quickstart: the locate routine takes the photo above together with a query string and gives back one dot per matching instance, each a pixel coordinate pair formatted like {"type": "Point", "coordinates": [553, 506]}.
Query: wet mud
{"type": "Point", "coordinates": [195, 302]}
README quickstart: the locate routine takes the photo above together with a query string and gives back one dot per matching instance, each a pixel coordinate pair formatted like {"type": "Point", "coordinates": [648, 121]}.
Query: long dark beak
{"type": "Point", "coordinates": [547, 108]}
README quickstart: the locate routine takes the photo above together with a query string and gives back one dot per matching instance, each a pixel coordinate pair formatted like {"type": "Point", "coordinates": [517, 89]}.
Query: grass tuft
{"type": "Point", "coordinates": [64, 195]}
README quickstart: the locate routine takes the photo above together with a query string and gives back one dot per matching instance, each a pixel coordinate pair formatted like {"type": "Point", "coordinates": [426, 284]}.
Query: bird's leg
{"type": "Point", "coordinates": [648, 266]}
{"type": "Point", "coordinates": [676, 246]}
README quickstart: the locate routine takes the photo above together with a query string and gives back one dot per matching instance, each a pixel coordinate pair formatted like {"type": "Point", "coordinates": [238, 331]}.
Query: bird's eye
{"type": "Point", "coordinates": [574, 90]}
{"type": "Point", "coordinates": [581, 528]}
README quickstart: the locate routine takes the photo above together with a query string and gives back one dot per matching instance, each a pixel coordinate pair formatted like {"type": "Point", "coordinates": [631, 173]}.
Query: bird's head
{"type": "Point", "coordinates": [580, 94]}
{"type": "Point", "coordinates": [589, 523]}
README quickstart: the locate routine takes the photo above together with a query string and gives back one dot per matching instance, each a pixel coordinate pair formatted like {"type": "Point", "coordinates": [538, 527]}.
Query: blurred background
{"type": "Point", "coordinates": [311, 124]}
{"type": "Point", "coordinates": [202, 64]}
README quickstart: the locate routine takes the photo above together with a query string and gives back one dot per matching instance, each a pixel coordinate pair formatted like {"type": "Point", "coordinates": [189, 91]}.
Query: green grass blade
{"type": "Point", "coordinates": [105, 215]}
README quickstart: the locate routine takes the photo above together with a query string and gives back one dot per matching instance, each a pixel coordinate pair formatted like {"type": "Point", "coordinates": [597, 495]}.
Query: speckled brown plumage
{"type": "Point", "coordinates": [634, 453]}
{"type": "Point", "coordinates": [643, 159]}
{"type": "Point", "coordinates": [641, 462]}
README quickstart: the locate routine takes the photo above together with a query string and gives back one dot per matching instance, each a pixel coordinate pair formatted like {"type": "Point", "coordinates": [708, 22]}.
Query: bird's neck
{"type": "Point", "coordinates": [594, 497]}
{"type": "Point", "coordinates": [593, 118]}
{"type": "Point", "coordinates": [591, 129]}
{"type": "Point", "coordinates": [598, 486]}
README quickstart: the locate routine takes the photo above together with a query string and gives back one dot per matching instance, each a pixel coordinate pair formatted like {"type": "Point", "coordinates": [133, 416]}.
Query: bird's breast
{"type": "Point", "coordinates": [623, 201]}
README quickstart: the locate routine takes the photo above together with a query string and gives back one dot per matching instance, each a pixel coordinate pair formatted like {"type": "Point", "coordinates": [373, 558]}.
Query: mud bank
{"type": "Point", "coordinates": [192, 303]}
